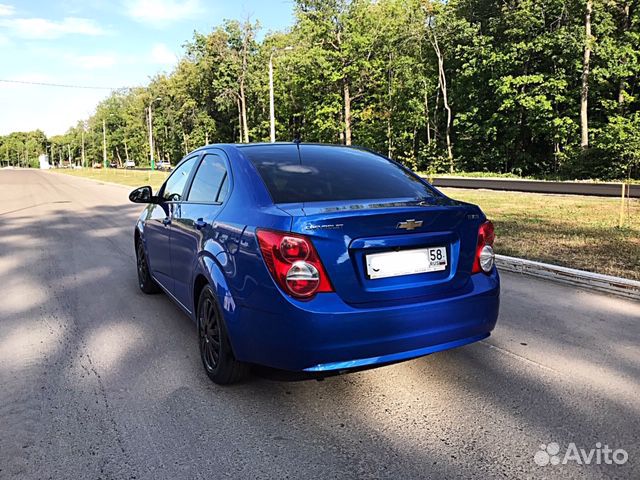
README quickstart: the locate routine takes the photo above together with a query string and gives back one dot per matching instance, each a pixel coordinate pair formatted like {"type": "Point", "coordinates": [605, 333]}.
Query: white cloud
{"type": "Point", "coordinates": [161, 12]}
{"type": "Point", "coordinates": [51, 109]}
{"type": "Point", "coordinates": [6, 10]}
{"type": "Point", "coordinates": [93, 62]}
{"type": "Point", "coordinates": [41, 28]}
{"type": "Point", "coordinates": [161, 55]}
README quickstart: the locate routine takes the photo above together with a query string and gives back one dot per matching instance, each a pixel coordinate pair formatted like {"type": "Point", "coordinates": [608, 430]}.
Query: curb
{"type": "Point", "coordinates": [604, 283]}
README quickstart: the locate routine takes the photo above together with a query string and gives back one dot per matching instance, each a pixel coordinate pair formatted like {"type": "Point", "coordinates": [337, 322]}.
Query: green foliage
{"type": "Point", "coordinates": [368, 70]}
{"type": "Point", "coordinates": [22, 148]}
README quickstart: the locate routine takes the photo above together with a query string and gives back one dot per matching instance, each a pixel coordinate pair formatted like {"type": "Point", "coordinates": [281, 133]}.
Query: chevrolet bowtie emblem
{"type": "Point", "coordinates": [411, 224]}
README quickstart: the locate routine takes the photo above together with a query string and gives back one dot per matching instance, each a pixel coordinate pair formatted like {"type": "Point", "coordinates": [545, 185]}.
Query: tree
{"type": "Point", "coordinates": [584, 98]}
{"type": "Point", "coordinates": [491, 85]}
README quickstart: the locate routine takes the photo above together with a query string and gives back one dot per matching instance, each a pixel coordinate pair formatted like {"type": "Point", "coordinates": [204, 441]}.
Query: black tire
{"type": "Point", "coordinates": [145, 282]}
{"type": "Point", "coordinates": [215, 350]}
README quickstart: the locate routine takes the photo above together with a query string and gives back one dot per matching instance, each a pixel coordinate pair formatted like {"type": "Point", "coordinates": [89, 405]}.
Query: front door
{"type": "Point", "coordinates": [158, 227]}
{"type": "Point", "coordinates": [194, 221]}
{"type": "Point", "coordinates": [157, 230]}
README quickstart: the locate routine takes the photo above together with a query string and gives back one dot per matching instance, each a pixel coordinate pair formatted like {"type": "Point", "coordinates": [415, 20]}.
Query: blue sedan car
{"type": "Point", "coordinates": [314, 258]}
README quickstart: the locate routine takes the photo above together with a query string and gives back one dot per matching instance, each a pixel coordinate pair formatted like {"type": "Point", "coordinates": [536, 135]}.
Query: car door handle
{"type": "Point", "coordinates": [200, 224]}
{"type": "Point", "coordinates": [166, 222]}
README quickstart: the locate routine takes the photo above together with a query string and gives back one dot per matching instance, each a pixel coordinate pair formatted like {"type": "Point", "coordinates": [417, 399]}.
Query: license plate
{"type": "Point", "coordinates": [406, 262]}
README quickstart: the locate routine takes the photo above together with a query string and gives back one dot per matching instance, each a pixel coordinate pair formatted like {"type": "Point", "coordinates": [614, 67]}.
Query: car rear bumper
{"type": "Point", "coordinates": [329, 335]}
{"type": "Point", "coordinates": [393, 357]}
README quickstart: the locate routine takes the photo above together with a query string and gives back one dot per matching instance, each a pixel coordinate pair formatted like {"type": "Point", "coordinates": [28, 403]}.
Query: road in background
{"type": "Point", "coordinates": [100, 381]}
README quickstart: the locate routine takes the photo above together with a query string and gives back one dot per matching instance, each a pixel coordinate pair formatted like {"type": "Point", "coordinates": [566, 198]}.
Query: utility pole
{"type": "Point", "coordinates": [272, 114]}
{"type": "Point", "coordinates": [153, 163]}
{"type": "Point", "coordinates": [104, 144]}
{"type": "Point", "coordinates": [84, 160]}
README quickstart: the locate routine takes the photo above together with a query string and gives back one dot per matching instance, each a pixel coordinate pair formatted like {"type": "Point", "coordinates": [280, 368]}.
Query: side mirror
{"type": "Point", "coordinates": [143, 195]}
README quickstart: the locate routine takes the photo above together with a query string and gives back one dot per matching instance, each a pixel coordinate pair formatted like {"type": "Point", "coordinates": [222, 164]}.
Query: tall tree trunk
{"type": "Point", "coordinates": [240, 136]}
{"type": "Point", "coordinates": [126, 151]}
{"type": "Point", "coordinates": [243, 76]}
{"type": "Point", "coordinates": [389, 112]}
{"type": "Point", "coordinates": [426, 114]}
{"type": "Point", "coordinates": [436, 130]}
{"type": "Point", "coordinates": [243, 105]}
{"type": "Point", "coordinates": [626, 25]}
{"type": "Point", "coordinates": [584, 116]}
{"type": "Point", "coordinates": [389, 145]}
{"type": "Point", "coordinates": [347, 113]}
{"type": "Point", "coordinates": [442, 81]}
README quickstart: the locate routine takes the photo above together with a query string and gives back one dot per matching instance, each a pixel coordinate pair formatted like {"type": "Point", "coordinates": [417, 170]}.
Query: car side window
{"type": "Point", "coordinates": [210, 183]}
{"type": "Point", "coordinates": [174, 186]}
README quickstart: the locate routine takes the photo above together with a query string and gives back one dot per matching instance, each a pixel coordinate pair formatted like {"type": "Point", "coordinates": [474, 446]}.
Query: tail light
{"type": "Point", "coordinates": [294, 263]}
{"type": "Point", "coordinates": [485, 257]}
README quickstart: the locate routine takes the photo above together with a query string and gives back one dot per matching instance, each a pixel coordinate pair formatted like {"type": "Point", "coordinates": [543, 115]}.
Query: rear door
{"type": "Point", "coordinates": [158, 226]}
{"type": "Point", "coordinates": [194, 220]}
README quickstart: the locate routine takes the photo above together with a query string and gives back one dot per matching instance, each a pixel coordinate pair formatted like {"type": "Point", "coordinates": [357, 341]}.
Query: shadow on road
{"type": "Point", "coordinates": [103, 381]}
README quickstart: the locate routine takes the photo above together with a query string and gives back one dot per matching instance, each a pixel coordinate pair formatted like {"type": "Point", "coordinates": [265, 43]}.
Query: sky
{"type": "Point", "coordinates": [100, 43]}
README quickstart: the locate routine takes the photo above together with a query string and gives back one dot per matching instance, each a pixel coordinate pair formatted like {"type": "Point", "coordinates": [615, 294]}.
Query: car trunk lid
{"type": "Point", "coordinates": [347, 234]}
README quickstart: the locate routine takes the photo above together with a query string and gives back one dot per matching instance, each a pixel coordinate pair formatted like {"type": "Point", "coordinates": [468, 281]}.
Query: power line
{"type": "Point", "coordinates": [61, 85]}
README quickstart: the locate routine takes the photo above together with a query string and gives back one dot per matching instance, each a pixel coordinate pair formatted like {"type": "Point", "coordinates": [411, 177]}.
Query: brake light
{"type": "Point", "coordinates": [294, 263]}
{"type": "Point", "coordinates": [484, 258]}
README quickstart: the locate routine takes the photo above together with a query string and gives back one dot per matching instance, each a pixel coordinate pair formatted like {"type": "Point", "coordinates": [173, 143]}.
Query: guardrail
{"type": "Point", "coordinates": [604, 283]}
{"type": "Point", "coordinates": [539, 186]}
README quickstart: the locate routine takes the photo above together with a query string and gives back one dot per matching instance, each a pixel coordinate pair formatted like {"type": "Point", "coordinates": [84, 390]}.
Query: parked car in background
{"type": "Point", "coordinates": [314, 258]}
{"type": "Point", "coordinates": [129, 164]}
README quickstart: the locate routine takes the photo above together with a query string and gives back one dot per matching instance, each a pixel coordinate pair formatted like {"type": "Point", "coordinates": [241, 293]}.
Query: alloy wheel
{"type": "Point", "coordinates": [209, 333]}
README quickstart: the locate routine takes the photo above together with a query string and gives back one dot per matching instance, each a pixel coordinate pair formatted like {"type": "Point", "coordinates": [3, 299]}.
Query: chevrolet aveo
{"type": "Point", "coordinates": [314, 258]}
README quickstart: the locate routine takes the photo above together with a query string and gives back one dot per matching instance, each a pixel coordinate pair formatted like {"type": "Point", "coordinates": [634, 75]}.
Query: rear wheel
{"type": "Point", "coordinates": [145, 282]}
{"type": "Point", "coordinates": [215, 350]}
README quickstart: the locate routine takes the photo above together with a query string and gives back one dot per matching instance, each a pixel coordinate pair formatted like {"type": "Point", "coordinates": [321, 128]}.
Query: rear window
{"type": "Point", "coordinates": [323, 173]}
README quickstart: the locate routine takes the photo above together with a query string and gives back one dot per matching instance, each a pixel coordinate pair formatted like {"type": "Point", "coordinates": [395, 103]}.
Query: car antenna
{"type": "Point", "coordinates": [296, 140]}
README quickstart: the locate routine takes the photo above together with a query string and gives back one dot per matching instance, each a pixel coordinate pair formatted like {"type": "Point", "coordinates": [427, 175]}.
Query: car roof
{"type": "Point", "coordinates": [242, 146]}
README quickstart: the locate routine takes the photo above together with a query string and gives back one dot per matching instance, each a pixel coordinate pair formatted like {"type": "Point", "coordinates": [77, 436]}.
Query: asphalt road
{"type": "Point", "coordinates": [98, 380]}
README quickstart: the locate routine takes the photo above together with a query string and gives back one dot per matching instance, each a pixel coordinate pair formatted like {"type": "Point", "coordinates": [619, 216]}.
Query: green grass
{"type": "Point", "coordinates": [570, 230]}
{"type": "Point", "coordinates": [132, 178]}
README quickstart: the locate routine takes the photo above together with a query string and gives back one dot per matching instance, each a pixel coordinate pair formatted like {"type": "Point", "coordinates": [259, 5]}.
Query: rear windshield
{"type": "Point", "coordinates": [323, 173]}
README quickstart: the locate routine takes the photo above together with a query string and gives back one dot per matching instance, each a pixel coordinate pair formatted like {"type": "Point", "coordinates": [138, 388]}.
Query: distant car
{"type": "Point", "coordinates": [315, 258]}
{"type": "Point", "coordinates": [163, 165]}
{"type": "Point", "coordinates": [129, 164]}
{"type": "Point", "coordinates": [113, 165]}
